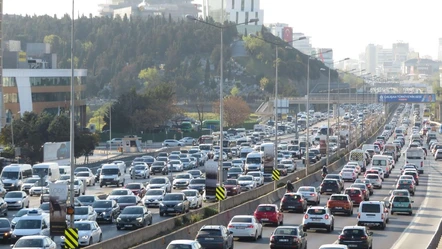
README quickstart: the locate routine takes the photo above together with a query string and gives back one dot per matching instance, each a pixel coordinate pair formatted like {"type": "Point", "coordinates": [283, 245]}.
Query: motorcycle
{"type": "Point", "coordinates": [324, 175]}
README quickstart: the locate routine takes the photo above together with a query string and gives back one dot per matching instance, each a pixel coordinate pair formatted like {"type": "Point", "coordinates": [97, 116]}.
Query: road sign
{"type": "Point", "coordinates": [71, 238]}
{"type": "Point", "coordinates": [221, 193]}
{"type": "Point", "coordinates": [407, 98]}
{"type": "Point", "coordinates": [275, 175]}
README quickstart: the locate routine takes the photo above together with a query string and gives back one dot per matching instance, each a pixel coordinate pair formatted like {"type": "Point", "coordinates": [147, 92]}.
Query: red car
{"type": "Point", "coordinates": [232, 186]}
{"type": "Point", "coordinates": [269, 213]}
{"type": "Point", "coordinates": [355, 194]}
{"type": "Point", "coordinates": [137, 189]}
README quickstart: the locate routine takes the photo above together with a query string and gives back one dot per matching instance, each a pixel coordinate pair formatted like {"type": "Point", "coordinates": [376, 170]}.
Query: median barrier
{"type": "Point", "coordinates": [435, 241]}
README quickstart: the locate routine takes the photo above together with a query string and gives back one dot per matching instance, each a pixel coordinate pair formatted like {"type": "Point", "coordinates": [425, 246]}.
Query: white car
{"type": "Point", "coordinates": [171, 143]}
{"type": "Point", "coordinates": [349, 174]}
{"type": "Point", "coordinates": [17, 199]}
{"type": "Point", "coordinates": [380, 171]}
{"type": "Point", "coordinates": [310, 194]}
{"type": "Point", "coordinates": [194, 197]}
{"type": "Point", "coordinates": [154, 197]}
{"type": "Point", "coordinates": [188, 141]}
{"type": "Point", "coordinates": [37, 188]}
{"type": "Point", "coordinates": [216, 156]}
{"type": "Point", "coordinates": [63, 179]}
{"type": "Point", "coordinates": [375, 180]}
{"type": "Point", "coordinates": [28, 183]}
{"type": "Point", "coordinates": [87, 177]}
{"type": "Point", "coordinates": [79, 187]}
{"type": "Point", "coordinates": [196, 173]}
{"type": "Point", "coordinates": [89, 232]}
{"type": "Point", "coordinates": [84, 213]}
{"type": "Point", "coordinates": [176, 166]}
{"type": "Point", "coordinates": [140, 171]}
{"type": "Point", "coordinates": [160, 183]}
{"type": "Point", "coordinates": [116, 193]}
{"type": "Point", "coordinates": [184, 243]}
{"type": "Point", "coordinates": [353, 166]}
{"type": "Point", "coordinates": [289, 165]}
{"type": "Point", "coordinates": [115, 141]}
{"type": "Point", "coordinates": [238, 163]}
{"type": "Point", "coordinates": [245, 226]}
{"type": "Point", "coordinates": [35, 242]}
{"type": "Point", "coordinates": [246, 182]}
{"type": "Point", "coordinates": [318, 217]}
{"type": "Point", "coordinates": [258, 176]}
{"type": "Point", "coordinates": [182, 180]}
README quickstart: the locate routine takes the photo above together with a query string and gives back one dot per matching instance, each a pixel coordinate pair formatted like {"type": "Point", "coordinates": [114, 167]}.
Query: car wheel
{"type": "Point", "coordinates": [91, 241]}
{"type": "Point", "coordinates": [256, 236]}
{"type": "Point", "coordinates": [161, 214]}
{"type": "Point", "coordinates": [118, 227]}
{"type": "Point", "coordinates": [101, 238]}
{"type": "Point", "coordinates": [101, 186]}
{"type": "Point", "coordinates": [150, 221]}
{"type": "Point", "coordinates": [329, 229]}
{"type": "Point", "coordinates": [410, 213]}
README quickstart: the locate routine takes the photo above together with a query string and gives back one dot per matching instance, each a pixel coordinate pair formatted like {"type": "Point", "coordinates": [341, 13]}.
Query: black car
{"type": "Point", "coordinates": [216, 237]}
{"type": "Point", "coordinates": [293, 202]}
{"type": "Point", "coordinates": [198, 184]}
{"type": "Point", "coordinates": [234, 172]}
{"type": "Point", "coordinates": [288, 237]}
{"type": "Point", "coordinates": [3, 207]}
{"type": "Point", "coordinates": [312, 157]}
{"type": "Point", "coordinates": [356, 237]}
{"type": "Point", "coordinates": [330, 186]}
{"type": "Point", "coordinates": [134, 217]}
{"type": "Point", "coordinates": [107, 210]}
{"type": "Point", "coordinates": [5, 229]}
{"type": "Point", "coordinates": [159, 167]}
{"type": "Point", "coordinates": [97, 175]}
{"type": "Point", "coordinates": [174, 203]}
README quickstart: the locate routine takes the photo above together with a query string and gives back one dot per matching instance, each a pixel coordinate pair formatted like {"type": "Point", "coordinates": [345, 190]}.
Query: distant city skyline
{"type": "Point", "coordinates": [347, 26]}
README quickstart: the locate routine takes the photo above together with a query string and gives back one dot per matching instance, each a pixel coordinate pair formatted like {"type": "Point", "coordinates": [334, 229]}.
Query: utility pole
{"type": "Point", "coordinates": [72, 124]}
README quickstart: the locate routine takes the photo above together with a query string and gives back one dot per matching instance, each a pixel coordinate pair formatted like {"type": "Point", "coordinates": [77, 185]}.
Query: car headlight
{"type": "Point", "coordinates": [85, 237]}
{"type": "Point", "coordinates": [18, 202]}
{"type": "Point", "coordinates": [161, 205]}
{"type": "Point", "coordinates": [118, 219]}
{"type": "Point", "coordinates": [116, 178]}
{"type": "Point", "coordinates": [160, 199]}
{"type": "Point", "coordinates": [140, 219]}
{"type": "Point", "coordinates": [179, 204]}
{"type": "Point", "coordinates": [104, 213]}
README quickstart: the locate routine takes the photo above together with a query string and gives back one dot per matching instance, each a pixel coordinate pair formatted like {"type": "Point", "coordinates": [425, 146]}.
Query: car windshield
{"type": "Point", "coordinates": [86, 198]}
{"type": "Point", "coordinates": [65, 177]}
{"type": "Point", "coordinates": [198, 181]}
{"type": "Point", "coordinates": [173, 197]}
{"type": "Point", "coordinates": [102, 204]}
{"type": "Point", "coordinates": [371, 208]}
{"type": "Point", "coordinates": [26, 243]}
{"type": "Point", "coordinates": [183, 176]}
{"type": "Point", "coordinates": [329, 182]}
{"type": "Point", "coordinates": [235, 169]}
{"type": "Point", "coordinates": [316, 211]}
{"type": "Point", "coordinates": [28, 224]}
{"type": "Point", "coordinates": [338, 198]}
{"type": "Point", "coordinates": [83, 226]}
{"type": "Point", "coordinates": [361, 186]}
{"type": "Point", "coordinates": [31, 180]}
{"type": "Point", "coordinates": [179, 246]}
{"type": "Point", "coordinates": [292, 197]}
{"type": "Point", "coordinates": [353, 232]}
{"type": "Point", "coordinates": [44, 206]}
{"type": "Point", "coordinates": [139, 167]}
{"type": "Point", "coordinates": [21, 212]}
{"type": "Point", "coordinates": [9, 175]}
{"type": "Point", "coordinates": [266, 209]}
{"type": "Point", "coordinates": [185, 160]}
{"type": "Point", "coordinates": [372, 177]}
{"type": "Point", "coordinates": [133, 186]}
{"type": "Point", "coordinates": [190, 193]}
{"type": "Point", "coordinates": [242, 220]}
{"type": "Point", "coordinates": [195, 172]}
{"type": "Point", "coordinates": [77, 170]}
{"type": "Point", "coordinates": [81, 210]}
{"type": "Point", "coordinates": [154, 192]}
{"type": "Point", "coordinates": [109, 171]}
{"type": "Point", "coordinates": [401, 199]}
{"type": "Point", "coordinates": [255, 174]}
{"type": "Point", "coordinates": [118, 192]}
{"type": "Point", "coordinates": [157, 181]}
{"type": "Point", "coordinates": [230, 182]}
{"type": "Point", "coordinates": [127, 199]}
{"type": "Point", "coordinates": [132, 210]}
{"type": "Point", "coordinates": [245, 178]}
{"type": "Point", "coordinates": [286, 231]}
{"type": "Point", "coordinates": [210, 232]}
{"type": "Point", "coordinates": [306, 189]}
{"type": "Point", "coordinates": [404, 182]}
{"type": "Point", "coordinates": [13, 195]}
{"type": "Point", "coordinates": [82, 174]}
{"type": "Point", "coordinates": [5, 223]}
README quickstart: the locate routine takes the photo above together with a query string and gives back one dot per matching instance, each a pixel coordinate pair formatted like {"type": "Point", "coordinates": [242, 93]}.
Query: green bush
{"type": "Point", "coordinates": [178, 222]}
{"type": "Point", "coordinates": [195, 218]}
{"type": "Point", "coordinates": [208, 212]}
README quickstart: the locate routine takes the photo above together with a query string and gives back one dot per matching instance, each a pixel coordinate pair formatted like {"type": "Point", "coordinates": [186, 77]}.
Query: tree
{"type": "Point", "coordinates": [150, 77]}
{"type": "Point", "coordinates": [234, 91]}
{"type": "Point", "coordinates": [236, 110]}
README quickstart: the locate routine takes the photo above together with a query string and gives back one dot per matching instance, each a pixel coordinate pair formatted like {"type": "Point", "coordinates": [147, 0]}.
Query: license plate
{"type": "Point", "coordinates": [128, 225]}
{"type": "Point", "coordinates": [352, 245]}
{"type": "Point", "coordinates": [264, 219]}
{"type": "Point", "coordinates": [209, 238]}
{"type": "Point", "coordinates": [329, 189]}
{"type": "Point", "coordinates": [240, 227]}
{"type": "Point", "coordinates": [291, 207]}
{"type": "Point", "coordinates": [315, 219]}
{"type": "Point", "coordinates": [170, 209]}
{"type": "Point", "coordinates": [338, 207]}
{"type": "Point", "coordinates": [284, 240]}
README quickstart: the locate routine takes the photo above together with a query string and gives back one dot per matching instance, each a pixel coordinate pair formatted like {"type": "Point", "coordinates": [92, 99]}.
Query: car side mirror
{"type": "Point", "coordinates": [370, 233]}
{"type": "Point", "coordinates": [305, 234]}
{"type": "Point", "coordinates": [412, 201]}
{"type": "Point", "coordinates": [230, 232]}
{"type": "Point", "coordinates": [119, 174]}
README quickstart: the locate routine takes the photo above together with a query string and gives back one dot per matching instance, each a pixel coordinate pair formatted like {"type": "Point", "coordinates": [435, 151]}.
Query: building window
{"type": "Point", "coordinates": [233, 4]}
{"type": "Point", "coordinates": [54, 97]}
{"type": "Point", "coordinates": [9, 81]}
{"type": "Point", "coordinates": [256, 17]}
{"type": "Point", "coordinates": [237, 17]}
{"type": "Point", "coordinates": [253, 5]}
{"type": "Point", "coordinates": [242, 5]}
{"type": "Point", "coordinates": [54, 81]}
{"type": "Point", "coordinates": [247, 17]}
{"type": "Point", "coordinates": [10, 98]}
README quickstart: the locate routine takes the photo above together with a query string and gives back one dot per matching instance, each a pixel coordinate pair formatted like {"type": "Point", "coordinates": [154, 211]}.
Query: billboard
{"type": "Point", "coordinates": [211, 178]}
{"type": "Point", "coordinates": [56, 151]}
{"type": "Point", "coordinates": [58, 194]}
{"type": "Point", "coordinates": [22, 56]}
{"type": "Point", "coordinates": [287, 34]}
{"type": "Point", "coordinates": [409, 98]}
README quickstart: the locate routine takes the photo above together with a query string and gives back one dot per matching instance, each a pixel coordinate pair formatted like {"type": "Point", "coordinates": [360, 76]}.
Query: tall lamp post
{"type": "Point", "coordinates": [338, 103]}
{"type": "Point", "coordinates": [221, 98]}
{"type": "Point", "coordinates": [72, 117]}
{"type": "Point", "coordinates": [307, 158]}
{"type": "Point", "coordinates": [277, 45]}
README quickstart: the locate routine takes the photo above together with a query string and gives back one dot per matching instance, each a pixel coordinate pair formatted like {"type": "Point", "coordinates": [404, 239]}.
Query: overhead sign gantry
{"type": "Point", "coordinates": [407, 98]}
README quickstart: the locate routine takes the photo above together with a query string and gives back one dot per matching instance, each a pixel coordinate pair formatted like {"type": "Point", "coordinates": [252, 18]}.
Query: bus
{"type": "Point", "coordinates": [210, 124]}
{"type": "Point", "coordinates": [186, 127]}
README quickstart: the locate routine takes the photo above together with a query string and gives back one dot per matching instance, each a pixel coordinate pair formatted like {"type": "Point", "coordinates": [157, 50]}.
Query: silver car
{"type": "Point", "coordinates": [153, 197]}
{"type": "Point", "coordinates": [310, 194]}
{"type": "Point", "coordinates": [89, 232]}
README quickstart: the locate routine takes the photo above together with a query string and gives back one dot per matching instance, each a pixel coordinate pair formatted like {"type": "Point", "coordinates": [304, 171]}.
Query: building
{"type": "Point", "coordinates": [325, 57]}
{"type": "Point", "coordinates": [384, 55]}
{"type": "Point", "coordinates": [439, 57]}
{"type": "Point", "coordinates": [2, 108]}
{"type": "Point", "coordinates": [370, 59]}
{"type": "Point", "coordinates": [241, 11]}
{"type": "Point", "coordinates": [32, 83]}
{"type": "Point", "coordinates": [400, 51]}
{"type": "Point", "coordinates": [304, 45]}
{"type": "Point", "coordinates": [420, 67]}
{"type": "Point", "coordinates": [277, 29]}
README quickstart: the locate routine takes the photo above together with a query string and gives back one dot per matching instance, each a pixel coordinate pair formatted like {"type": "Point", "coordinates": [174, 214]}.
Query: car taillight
{"type": "Point", "coordinates": [422, 163]}
{"type": "Point", "coordinates": [326, 217]}
{"type": "Point", "coordinates": [409, 205]}
{"type": "Point", "coordinates": [363, 237]}
{"type": "Point", "coordinates": [359, 215]}
{"type": "Point", "coordinates": [301, 200]}
{"type": "Point", "coordinates": [306, 216]}
{"type": "Point", "coordinates": [382, 216]}
{"type": "Point", "coordinates": [272, 239]}
{"type": "Point", "coordinates": [312, 194]}
{"type": "Point", "coordinates": [250, 226]}
{"type": "Point", "coordinates": [341, 237]}
{"type": "Point", "coordinates": [231, 226]}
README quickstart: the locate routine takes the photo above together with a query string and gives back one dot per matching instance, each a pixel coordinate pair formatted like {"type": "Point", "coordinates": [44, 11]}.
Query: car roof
{"type": "Point", "coordinates": [182, 241]}
{"type": "Point", "coordinates": [317, 207]}
{"type": "Point", "coordinates": [211, 227]}
{"type": "Point", "coordinates": [354, 227]}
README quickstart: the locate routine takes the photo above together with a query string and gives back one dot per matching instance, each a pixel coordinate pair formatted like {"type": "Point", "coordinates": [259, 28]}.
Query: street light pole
{"type": "Point", "coordinates": [12, 131]}
{"type": "Point", "coordinates": [307, 144]}
{"type": "Point", "coordinates": [275, 161]}
{"type": "Point", "coordinates": [72, 124]}
{"type": "Point", "coordinates": [221, 104]}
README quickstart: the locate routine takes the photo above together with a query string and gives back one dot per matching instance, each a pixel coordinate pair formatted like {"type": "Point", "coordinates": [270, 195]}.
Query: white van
{"type": "Point", "coordinates": [33, 223]}
{"type": "Point", "coordinates": [373, 214]}
{"type": "Point", "coordinates": [111, 174]}
{"type": "Point", "coordinates": [50, 170]}
{"type": "Point", "coordinates": [14, 174]}
{"type": "Point", "coordinates": [417, 157]}
{"type": "Point", "coordinates": [382, 162]}
{"type": "Point", "coordinates": [360, 157]}
{"type": "Point", "coordinates": [64, 170]}
{"type": "Point", "coordinates": [121, 165]}
{"type": "Point", "coordinates": [254, 161]}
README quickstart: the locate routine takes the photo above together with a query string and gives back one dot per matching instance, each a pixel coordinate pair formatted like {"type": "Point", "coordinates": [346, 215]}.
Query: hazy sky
{"type": "Point", "coordinates": [347, 26]}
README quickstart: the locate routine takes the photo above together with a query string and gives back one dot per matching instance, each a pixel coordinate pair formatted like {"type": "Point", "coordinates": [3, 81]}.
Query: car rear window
{"type": "Point", "coordinates": [404, 182]}
{"type": "Point", "coordinates": [372, 177]}
{"type": "Point", "coordinates": [211, 232]}
{"type": "Point", "coordinates": [292, 197]}
{"type": "Point", "coordinates": [353, 232]}
{"type": "Point", "coordinates": [266, 209]}
{"type": "Point", "coordinates": [338, 198]}
{"type": "Point", "coordinates": [371, 208]}
{"type": "Point", "coordinates": [352, 191]}
{"type": "Point", "coordinates": [329, 182]}
{"type": "Point", "coordinates": [286, 231]}
{"type": "Point", "coordinates": [242, 220]}
{"type": "Point", "coordinates": [401, 199]}
{"type": "Point", "coordinates": [316, 211]}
